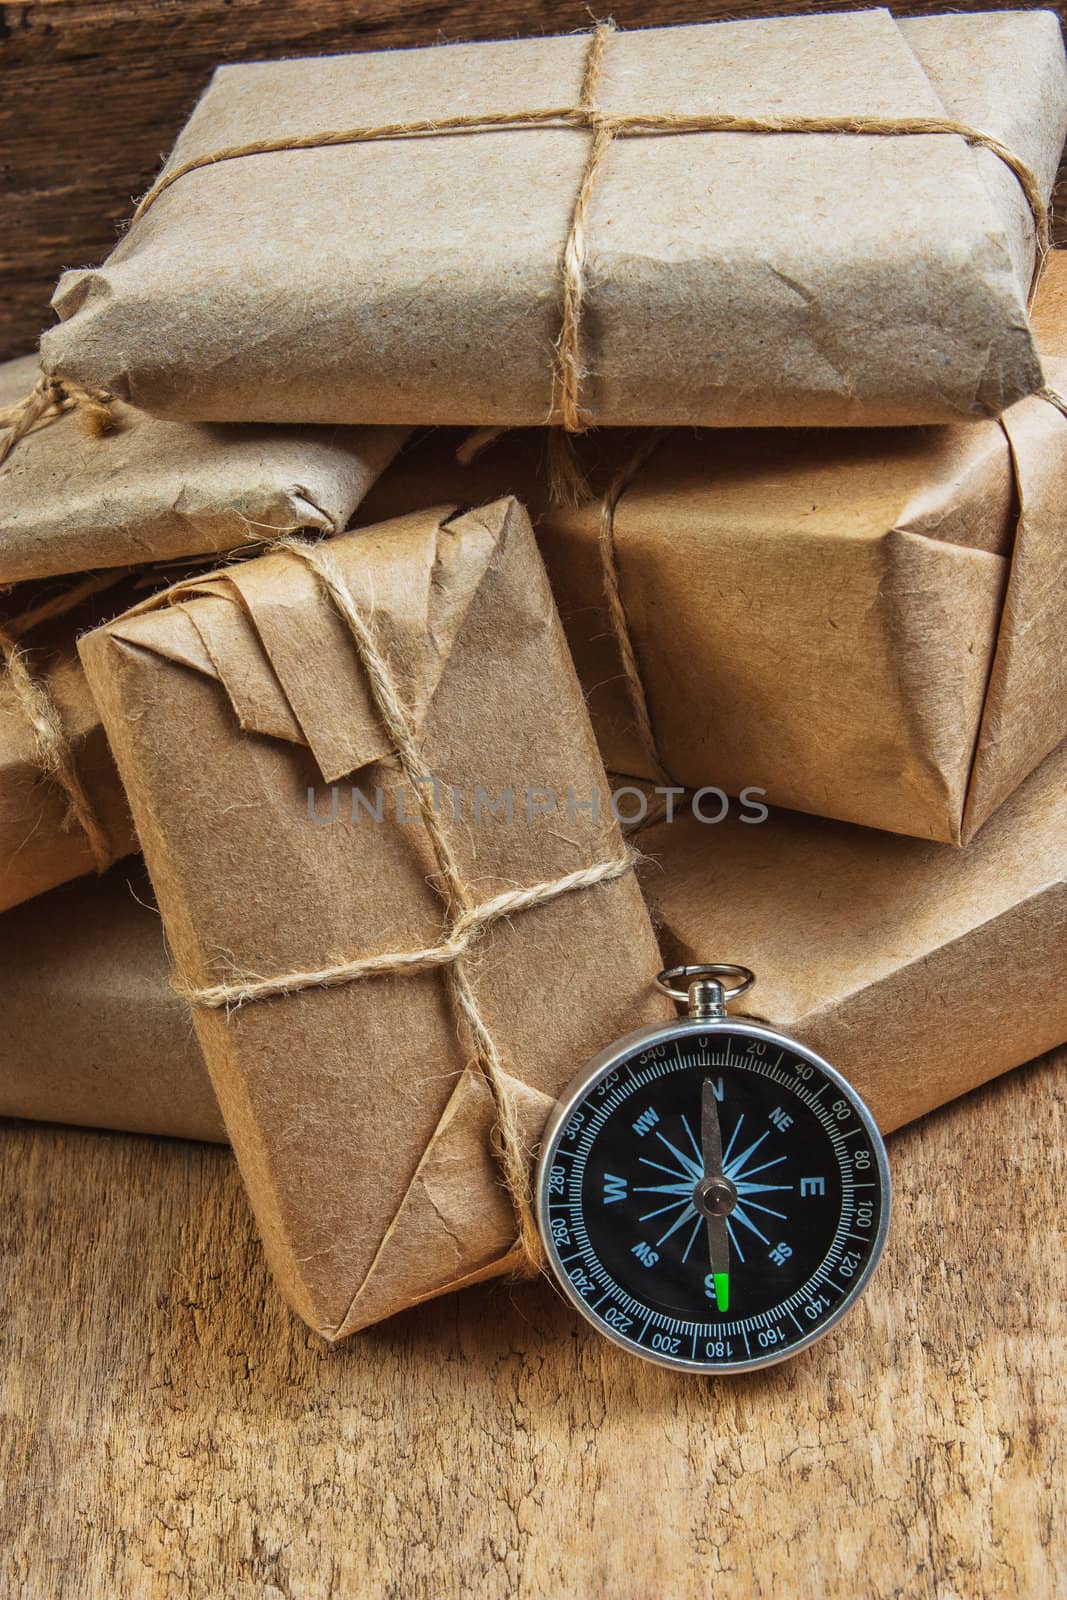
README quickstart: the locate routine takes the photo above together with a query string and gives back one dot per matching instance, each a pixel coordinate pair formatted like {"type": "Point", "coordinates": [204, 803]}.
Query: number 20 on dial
{"type": "Point", "coordinates": [712, 1195]}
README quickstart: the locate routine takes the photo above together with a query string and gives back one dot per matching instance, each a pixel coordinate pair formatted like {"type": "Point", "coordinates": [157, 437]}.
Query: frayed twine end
{"type": "Point", "coordinates": [54, 397]}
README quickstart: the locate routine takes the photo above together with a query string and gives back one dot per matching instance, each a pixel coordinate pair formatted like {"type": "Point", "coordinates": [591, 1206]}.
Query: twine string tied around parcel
{"type": "Point", "coordinates": [633, 682]}
{"type": "Point", "coordinates": [632, 677]}
{"type": "Point", "coordinates": [53, 397]}
{"type": "Point", "coordinates": [605, 127]}
{"type": "Point", "coordinates": [484, 438]}
{"type": "Point", "coordinates": [53, 750]}
{"type": "Point", "coordinates": [467, 919]}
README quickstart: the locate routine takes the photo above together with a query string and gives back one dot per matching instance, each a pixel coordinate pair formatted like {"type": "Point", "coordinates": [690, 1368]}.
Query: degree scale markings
{"type": "Point", "coordinates": [634, 1078]}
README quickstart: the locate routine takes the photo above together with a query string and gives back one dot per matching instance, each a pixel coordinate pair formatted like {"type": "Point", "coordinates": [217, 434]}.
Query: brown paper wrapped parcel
{"type": "Point", "coordinates": [62, 808]}
{"type": "Point", "coordinates": [808, 220]}
{"type": "Point", "coordinates": [93, 1032]}
{"type": "Point", "coordinates": [920, 971]}
{"type": "Point", "coordinates": [147, 491]}
{"type": "Point", "coordinates": [367, 1114]}
{"type": "Point", "coordinates": [864, 624]}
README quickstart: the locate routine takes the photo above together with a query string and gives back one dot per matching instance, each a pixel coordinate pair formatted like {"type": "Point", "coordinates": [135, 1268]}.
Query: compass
{"type": "Point", "coordinates": [712, 1195]}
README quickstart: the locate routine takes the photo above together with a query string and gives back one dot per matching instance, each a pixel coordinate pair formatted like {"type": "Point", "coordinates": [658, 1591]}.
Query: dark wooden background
{"type": "Point", "coordinates": [93, 92]}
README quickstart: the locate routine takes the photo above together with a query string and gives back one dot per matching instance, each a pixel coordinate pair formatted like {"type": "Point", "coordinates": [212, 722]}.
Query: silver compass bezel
{"type": "Point", "coordinates": [660, 1033]}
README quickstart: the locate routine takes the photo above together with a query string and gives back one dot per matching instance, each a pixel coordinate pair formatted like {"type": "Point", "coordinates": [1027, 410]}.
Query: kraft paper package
{"type": "Point", "coordinates": [817, 220]}
{"type": "Point", "coordinates": [127, 502]}
{"type": "Point", "coordinates": [93, 1032]}
{"type": "Point", "coordinates": [865, 624]}
{"type": "Point", "coordinates": [144, 491]}
{"type": "Point", "coordinates": [371, 1115]}
{"type": "Point", "coordinates": [62, 808]}
{"type": "Point", "coordinates": [920, 971]}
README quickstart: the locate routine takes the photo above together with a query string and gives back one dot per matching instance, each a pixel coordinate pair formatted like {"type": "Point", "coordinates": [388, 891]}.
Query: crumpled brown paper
{"type": "Point", "coordinates": [920, 972]}
{"type": "Point", "coordinates": [865, 624]}
{"type": "Point", "coordinates": [151, 491]}
{"type": "Point", "coordinates": [363, 1134]}
{"type": "Point", "coordinates": [147, 494]}
{"type": "Point", "coordinates": [42, 842]}
{"type": "Point", "coordinates": [731, 278]}
{"type": "Point", "coordinates": [93, 1033]}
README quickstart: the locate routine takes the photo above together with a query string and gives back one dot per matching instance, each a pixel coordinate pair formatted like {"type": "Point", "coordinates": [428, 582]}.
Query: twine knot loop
{"type": "Point", "coordinates": [467, 919]}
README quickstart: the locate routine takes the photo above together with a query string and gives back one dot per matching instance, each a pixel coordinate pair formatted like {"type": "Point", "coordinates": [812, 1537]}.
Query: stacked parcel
{"type": "Point", "coordinates": [865, 623]}
{"type": "Point", "coordinates": [327, 960]}
{"type": "Point", "coordinates": [348, 239]}
{"type": "Point", "coordinates": [896, 966]}
{"type": "Point", "coordinates": [830, 221]}
{"type": "Point", "coordinates": [125, 504]}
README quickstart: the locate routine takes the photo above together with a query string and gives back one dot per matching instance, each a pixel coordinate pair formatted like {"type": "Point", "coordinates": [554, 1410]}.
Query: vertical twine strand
{"type": "Point", "coordinates": [576, 249]}
{"type": "Point", "coordinates": [511, 1148]}
{"type": "Point", "coordinates": [55, 757]}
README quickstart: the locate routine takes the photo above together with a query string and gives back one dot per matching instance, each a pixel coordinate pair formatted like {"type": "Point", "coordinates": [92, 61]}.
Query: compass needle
{"type": "Point", "coordinates": [697, 1256]}
{"type": "Point", "coordinates": [715, 1196]}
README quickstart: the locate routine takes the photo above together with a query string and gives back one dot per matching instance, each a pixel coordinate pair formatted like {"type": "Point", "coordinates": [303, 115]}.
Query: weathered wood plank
{"type": "Point", "coordinates": [169, 1430]}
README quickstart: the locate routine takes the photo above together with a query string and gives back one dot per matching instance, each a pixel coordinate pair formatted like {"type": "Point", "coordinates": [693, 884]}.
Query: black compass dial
{"type": "Point", "coordinates": [715, 1197]}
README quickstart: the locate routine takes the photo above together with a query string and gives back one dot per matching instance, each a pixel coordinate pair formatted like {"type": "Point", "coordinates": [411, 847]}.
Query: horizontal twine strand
{"type": "Point", "coordinates": [618, 125]}
{"type": "Point", "coordinates": [605, 127]}
{"type": "Point", "coordinates": [467, 928]}
{"type": "Point", "coordinates": [466, 919]}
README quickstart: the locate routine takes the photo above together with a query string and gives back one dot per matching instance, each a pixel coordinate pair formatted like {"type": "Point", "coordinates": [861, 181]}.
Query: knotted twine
{"type": "Point", "coordinates": [51, 398]}
{"type": "Point", "coordinates": [466, 919]}
{"type": "Point", "coordinates": [605, 127]}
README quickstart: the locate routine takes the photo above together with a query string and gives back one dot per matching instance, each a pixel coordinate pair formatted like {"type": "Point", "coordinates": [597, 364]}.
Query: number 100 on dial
{"type": "Point", "coordinates": [712, 1195]}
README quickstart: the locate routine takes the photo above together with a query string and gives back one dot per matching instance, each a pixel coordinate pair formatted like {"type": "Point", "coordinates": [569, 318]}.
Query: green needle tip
{"type": "Point", "coordinates": [722, 1290]}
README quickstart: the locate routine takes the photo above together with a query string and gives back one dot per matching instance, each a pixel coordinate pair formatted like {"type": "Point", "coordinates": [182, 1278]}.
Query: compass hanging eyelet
{"type": "Point", "coordinates": [711, 1195]}
{"type": "Point", "coordinates": [704, 996]}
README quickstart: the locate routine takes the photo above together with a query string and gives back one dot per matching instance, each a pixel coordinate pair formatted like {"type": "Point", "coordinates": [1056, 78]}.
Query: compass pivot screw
{"type": "Point", "coordinates": [714, 1197]}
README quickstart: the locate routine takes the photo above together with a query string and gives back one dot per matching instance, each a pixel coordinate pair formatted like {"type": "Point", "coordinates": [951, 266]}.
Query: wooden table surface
{"type": "Point", "coordinates": [170, 1431]}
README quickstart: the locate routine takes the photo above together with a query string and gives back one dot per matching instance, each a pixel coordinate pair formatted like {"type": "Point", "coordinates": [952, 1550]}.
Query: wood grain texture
{"type": "Point", "coordinates": [169, 1430]}
{"type": "Point", "coordinates": [95, 91]}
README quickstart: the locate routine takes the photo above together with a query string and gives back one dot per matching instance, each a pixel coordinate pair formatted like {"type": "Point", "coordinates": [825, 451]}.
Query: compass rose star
{"type": "Point", "coordinates": [684, 1170]}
